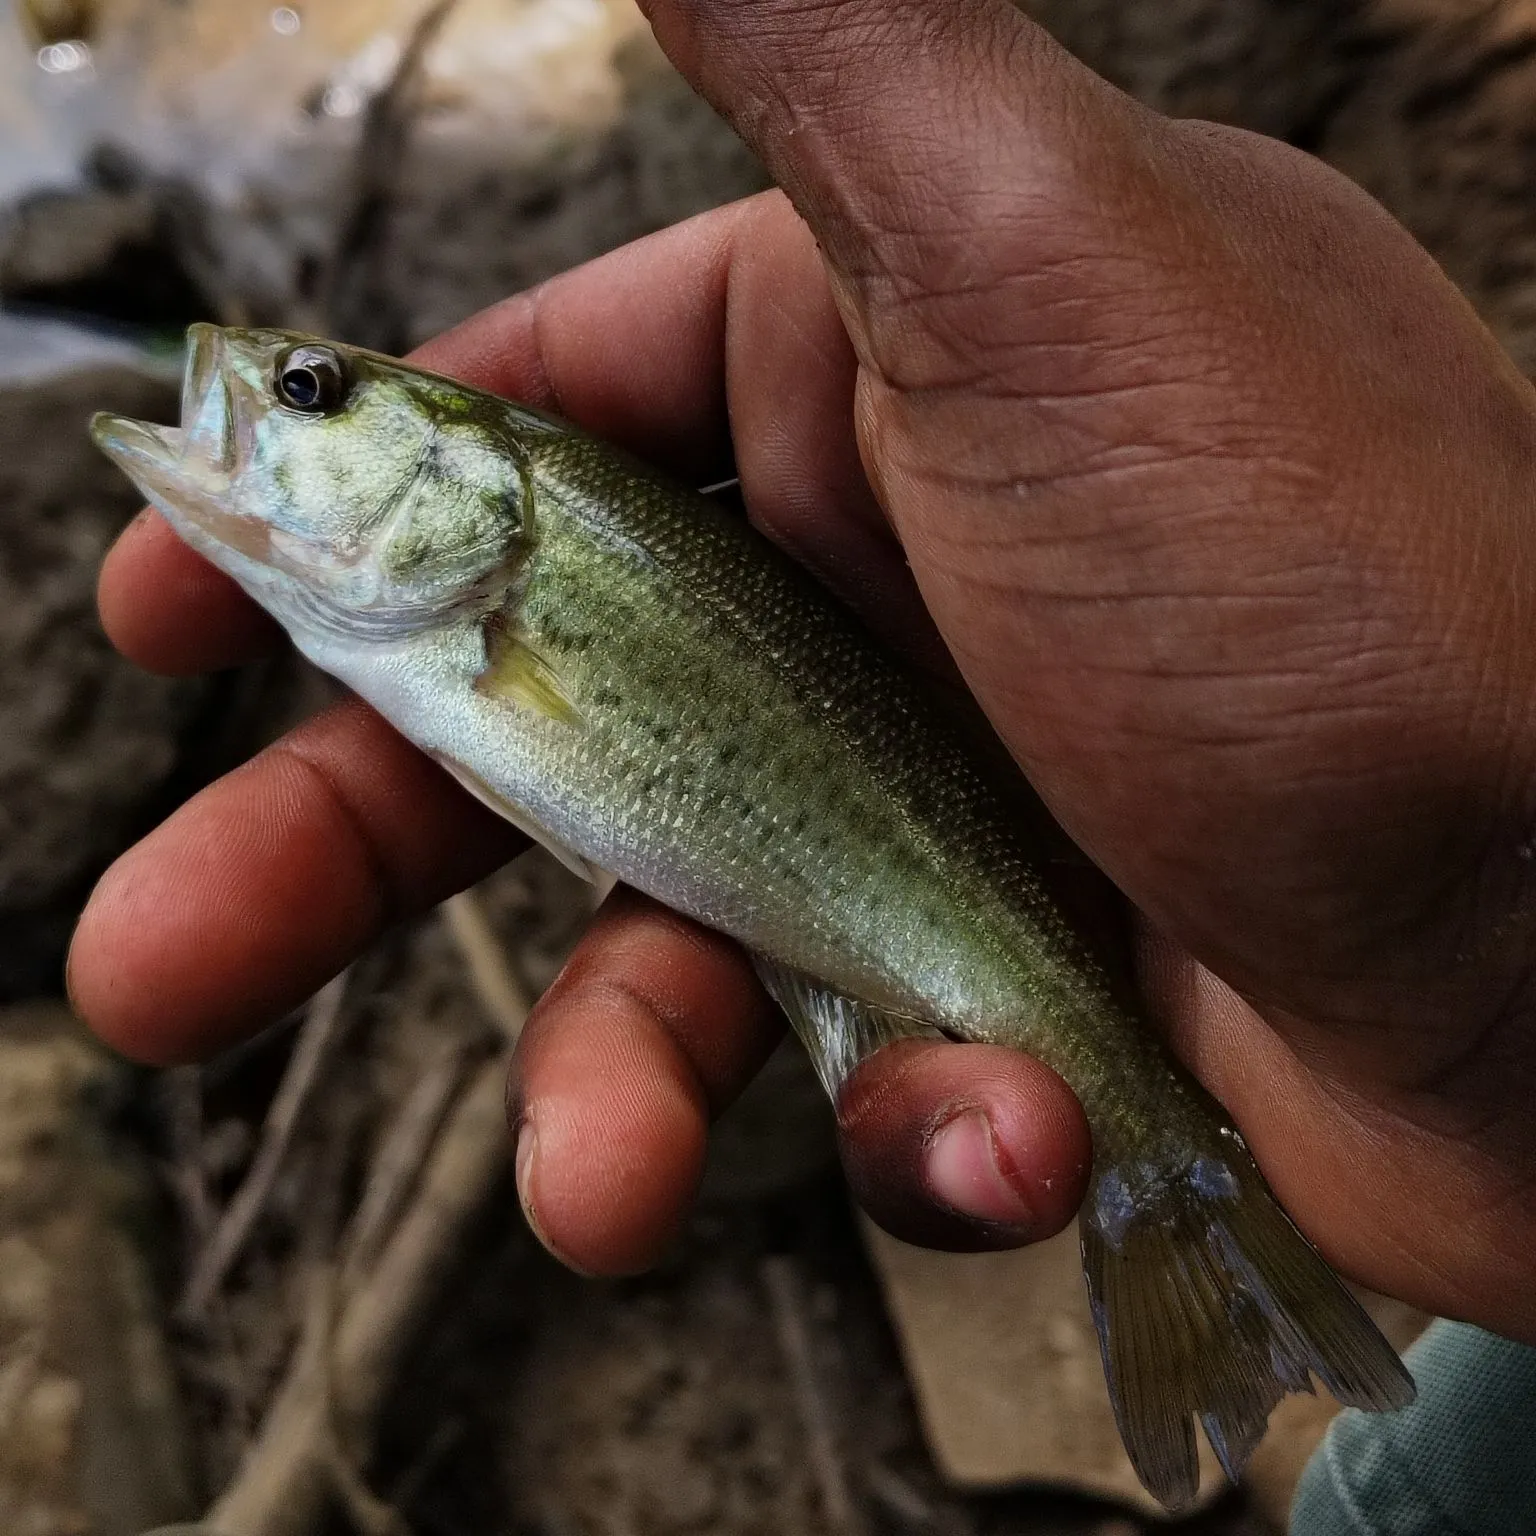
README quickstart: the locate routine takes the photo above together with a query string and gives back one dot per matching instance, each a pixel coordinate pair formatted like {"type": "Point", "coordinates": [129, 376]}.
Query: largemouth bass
{"type": "Point", "coordinates": [642, 682]}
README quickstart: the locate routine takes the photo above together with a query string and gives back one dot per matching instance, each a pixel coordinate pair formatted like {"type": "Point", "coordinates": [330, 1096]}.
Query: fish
{"type": "Point", "coordinates": [632, 674]}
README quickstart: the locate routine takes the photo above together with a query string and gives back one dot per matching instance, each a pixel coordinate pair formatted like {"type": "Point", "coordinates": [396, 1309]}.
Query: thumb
{"type": "Point", "coordinates": [897, 125]}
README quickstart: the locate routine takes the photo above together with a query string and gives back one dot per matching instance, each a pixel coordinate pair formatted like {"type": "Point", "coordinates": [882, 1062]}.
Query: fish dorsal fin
{"type": "Point", "coordinates": [521, 819]}
{"type": "Point", "coordinates": [838, 1032]}
{"type": "Point", "coordinates": [515, 670]}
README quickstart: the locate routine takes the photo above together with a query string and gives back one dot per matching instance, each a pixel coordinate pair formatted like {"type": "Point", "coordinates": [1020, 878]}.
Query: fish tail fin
{"type": "Point", "coordinates": [1210, 1305]}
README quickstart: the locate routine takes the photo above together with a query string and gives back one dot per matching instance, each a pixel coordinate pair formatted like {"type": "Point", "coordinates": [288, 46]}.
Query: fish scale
{"type": "Point", "coordinates": [846, 787]}
{"type": "Point", "coordinates": [643, 682]}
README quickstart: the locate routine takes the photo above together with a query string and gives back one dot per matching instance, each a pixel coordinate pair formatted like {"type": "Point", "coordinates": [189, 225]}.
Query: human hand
{"type": "Point", "coordinates": [1214, 490]}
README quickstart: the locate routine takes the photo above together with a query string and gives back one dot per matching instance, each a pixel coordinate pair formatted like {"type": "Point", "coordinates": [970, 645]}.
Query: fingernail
{"type": "Point", "coordinates": [69, 980]}
{"type": "Point", "coordinates": [524, 1156]}
{"type": "Point", "coordinates": [964, 1174]}
{"type": "Point", "coordinates": [522, 1172]}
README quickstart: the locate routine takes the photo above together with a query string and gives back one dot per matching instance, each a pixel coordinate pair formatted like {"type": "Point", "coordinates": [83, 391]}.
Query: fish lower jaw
{"type": "Point", "coordinates": [164, 464]}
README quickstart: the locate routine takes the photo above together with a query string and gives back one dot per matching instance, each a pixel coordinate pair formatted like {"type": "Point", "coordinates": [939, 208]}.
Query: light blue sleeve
{"type": "Point", "coordinates": [1460, 1462]}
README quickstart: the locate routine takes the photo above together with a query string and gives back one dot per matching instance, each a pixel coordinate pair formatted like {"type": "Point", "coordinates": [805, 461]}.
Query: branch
{"type": "Point", "coordinates": [786, 1301]}
{"type": "Point", "coordinates": [283, 1483]}
{"type": "Point", "coordinates": [319, 1032]}
{"type": "Point", "coordinates": [498, 991]}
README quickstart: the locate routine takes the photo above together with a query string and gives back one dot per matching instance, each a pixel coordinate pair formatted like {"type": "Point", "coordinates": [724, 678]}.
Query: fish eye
{"type": "Point", "coordinates": [311, 379]}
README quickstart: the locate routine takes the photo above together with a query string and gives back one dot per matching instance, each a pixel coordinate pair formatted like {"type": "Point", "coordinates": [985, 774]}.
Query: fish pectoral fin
{"type": "Point", "coordinates": [515, 670]}
{"type": "Point", "coordinates": [521, 819]}
{"type": "Point", "coordinates": [838, 1032]}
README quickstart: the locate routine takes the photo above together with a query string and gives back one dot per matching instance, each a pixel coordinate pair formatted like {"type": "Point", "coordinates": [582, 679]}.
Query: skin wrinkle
{"type": "Point", "coordinates": [1383, 1125]}
{"type": "Point", "coordinates": [1461, 613]}
{"type": "Point", "coordinates": [1037, 566]}
{"type": "Point", "coordinates": [1392, 1123]}
{"type": "Point", "coordinates": [1135, 247]}
{"type": "Point", "coordinates": [597, 993]}
{"type": "Point", "coordinates": [546, 386]}
{"type": "Point", "coordinates": [978, 387]}
{"type": "Point", "coordinates": [1032, 256]}
{"type": "Point", "coordinates": [828, 120]}
{"type": "Point", "coordinates": [1470, 1064]}
{"type": "Point", "coordinates": [985, 388]}
{"type": "Point", "coordinates": [1451, 875]}
{"type": "Point", "coordinates": [674, 1022]}
{"type": "Point", "coordinates": [1198, 628]}
{"type": "Point", "coordinates": [379, 878]}
{"type": "Point", "coordinates": [1063, 483]}
{"type": "Point", "coordinates": [1043, 347]}
{"type": "Point", "coordinates": [964, 420]}
{"type": "Point", "coordinates": [647, 958]}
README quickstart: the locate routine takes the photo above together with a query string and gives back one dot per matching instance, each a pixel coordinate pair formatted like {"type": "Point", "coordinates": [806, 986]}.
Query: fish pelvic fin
{"type": "Point", "coordinates": [1210, 1305]}
{"type": "Point", "coordinates": [838, 1032]}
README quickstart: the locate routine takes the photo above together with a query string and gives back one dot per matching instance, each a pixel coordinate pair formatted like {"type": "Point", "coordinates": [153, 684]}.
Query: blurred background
{"type": "Point", "coordinates": [290, 1290]}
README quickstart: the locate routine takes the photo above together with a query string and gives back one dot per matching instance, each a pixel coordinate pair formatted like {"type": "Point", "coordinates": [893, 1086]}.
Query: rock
{"type": "Point", "coordinates": [1271, 65]}
{"type": "Point", "coordinates": [56, 238]}
{"type": "Point", "coordinates": [88, 741]}
{"type": "Point", "coordinates": [37, 147]}
{"type": "Point", "coordinates": [381, 168]}
{"type": "Point", "coordinates": [1004, 1363]}
{"type": "Point", "coordinates": [90, 250]}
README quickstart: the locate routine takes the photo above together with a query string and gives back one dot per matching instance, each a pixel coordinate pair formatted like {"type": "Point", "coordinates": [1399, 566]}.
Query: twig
{"type": "Point", "coordinates": [348, 288]}
{"type": "Point", "coordinates": [426, 1461]}
{"type": "Point", "coordinates": [183, 1090]}
{"type": "Point", "coordinates": [218, 1364]}
{"type": "Point", "coordinates": [399, 1158]}
{"type": "Point", "coordinates": [781, 1280]}
{"type": "Point", "coordinates": [284, 1481]}
{"type": "Point", "coordinates": [323, 1414]}
{"type": "Point", "coordinates": [321, 1028]}
{"type": "Point", "coordinates": [498, 991]}
{"type": "Point", "coordinates": [898, 1496]}
{"type": "Point", "coordinates": [369, 1514]}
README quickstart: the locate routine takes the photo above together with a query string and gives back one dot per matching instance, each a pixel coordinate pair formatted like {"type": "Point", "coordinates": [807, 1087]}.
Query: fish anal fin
{"type": "Point", "coordinates": [515, 670]}
{"type": "Point", "coordinates": [521, 819]}
{"type": "Point", "coordinates": [838, 1032]}
{"type": "Point", "coordinates": [1211, 1306]}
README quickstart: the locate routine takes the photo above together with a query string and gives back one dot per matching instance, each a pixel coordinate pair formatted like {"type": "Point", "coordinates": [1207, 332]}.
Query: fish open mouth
{"type": "Point", "coordinates": [187, 471]}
